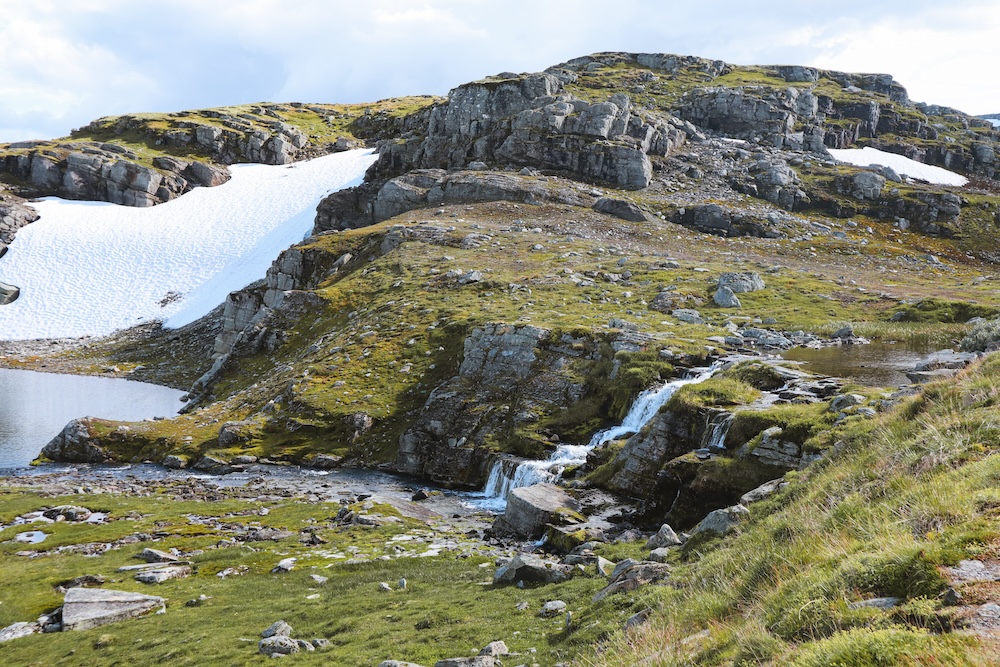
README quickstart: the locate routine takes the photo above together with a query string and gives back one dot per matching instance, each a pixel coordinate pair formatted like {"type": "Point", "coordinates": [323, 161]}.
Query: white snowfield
{"type": "Point", "coordinates": [995, 121]}
{"type": "Point", "coordinates": [89, 268]}
{"type": "Point", "coordinates": [904, 166]}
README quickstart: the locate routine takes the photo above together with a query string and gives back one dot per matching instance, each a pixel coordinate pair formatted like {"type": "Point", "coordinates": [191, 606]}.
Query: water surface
{"type": "Point", "coordinates": [34, 407]}
{"type": "Point", "coordinates": [877, 364]}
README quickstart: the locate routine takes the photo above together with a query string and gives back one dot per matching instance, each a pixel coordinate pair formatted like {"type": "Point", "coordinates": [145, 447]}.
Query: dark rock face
{"type": "Point", "coordinates": [75, 444]}
{"type": "Point", "coordinates": [510, 375]}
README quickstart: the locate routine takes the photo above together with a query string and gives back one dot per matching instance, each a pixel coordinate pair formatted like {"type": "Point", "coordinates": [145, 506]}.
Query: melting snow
{"type": "Point", "coordinates": [903, 166]}
{"type": "Point", "coordinates": [89, 268]}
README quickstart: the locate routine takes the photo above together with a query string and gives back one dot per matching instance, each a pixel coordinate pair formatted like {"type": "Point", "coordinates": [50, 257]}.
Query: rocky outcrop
{"type": "Point", "coordinates": [13, 215]}
{"type": "Point", "coordinates": [510, 377]}
{"type": "Point", "coordinates": [105, 172]}
{"type": "Point", "coordinates": [529, 121]}
{"type": "Point", "coordinates": [76, 444]}
{"type": "Point", "coordinates": [366, 205]}
{"type": "Point", "coordinates": [724, 221]}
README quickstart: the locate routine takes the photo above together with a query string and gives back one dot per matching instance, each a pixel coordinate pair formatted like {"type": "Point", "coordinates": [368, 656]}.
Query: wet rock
{"type": "Point", "coordinates": [326, 461]}
{"type": "Point", "coordinates": [85, 608]}
{"type": "Point", "coordinates": [530, 508]}
{"type": "Point", "coordinates": [67, 513]}
{"type": "Point", "coordinates": [175, 462]}
{"type": "Point", "coordinates": [213, 465]}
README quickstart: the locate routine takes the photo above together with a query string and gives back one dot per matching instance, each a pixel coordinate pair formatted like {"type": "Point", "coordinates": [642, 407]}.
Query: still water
{"type": "Point", "coordinates": [876, 364]}
{"type": "Point", "coordinates": [34, 407]}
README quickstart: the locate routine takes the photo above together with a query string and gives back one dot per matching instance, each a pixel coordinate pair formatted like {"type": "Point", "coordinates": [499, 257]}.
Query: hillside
{"type": "Point", "coordinates": [529, 254]}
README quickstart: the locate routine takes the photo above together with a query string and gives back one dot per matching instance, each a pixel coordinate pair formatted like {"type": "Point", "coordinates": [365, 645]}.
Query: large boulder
{"type": "Point", "coordinates": [532, 569]}
{"type": "Point", "coordinates": [76, 444]}
{"type": "Point", "coordinates": [530, 508]}
{"type": "Point", "coordinates": [85, 608]}
{"type": "Point", "coordinates": [721, 522]}
{"type": "Point", "coordinates": [740, 282]}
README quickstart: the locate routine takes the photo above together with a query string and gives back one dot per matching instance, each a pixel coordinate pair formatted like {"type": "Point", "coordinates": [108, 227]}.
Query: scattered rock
{"type": "Point", "coordinates": [278, 645]}
{"type": "Point", "coordinates": [665, 537]}
{"type": "Point", "coordinates": [495, 648]}
{"type": "Point", "coordinates": [277, 629]}
{"type": "Point", "coordinates": [552, 608]}
{"type": "Point", "coordinates": [530, 568]}
{"type": "Point", "coordinates": [630, 575]}
{"type": "Point", "coordinates": [18, 630]}
{"type": "Point", "coordinates": [740, 282]}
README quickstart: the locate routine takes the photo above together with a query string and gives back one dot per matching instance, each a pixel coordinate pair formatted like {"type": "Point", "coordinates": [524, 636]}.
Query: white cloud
{"type": "Point", "coordinates": [69, 61]}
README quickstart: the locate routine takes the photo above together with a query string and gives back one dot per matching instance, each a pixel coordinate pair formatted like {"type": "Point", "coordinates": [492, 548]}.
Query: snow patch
{"type": "Point", "coordinates": [994, 121]}
{"type": "Point", "coordinates": [904, 166]}
{"type": "Point", "coordinates": [91, 268]}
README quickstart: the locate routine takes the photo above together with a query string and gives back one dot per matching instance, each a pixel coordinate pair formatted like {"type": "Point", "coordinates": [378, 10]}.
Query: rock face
{"type": "Point", "coordinates": [509, 375]}
{"type": "Point", "coordinates": [13, 216]}
{"type": "Point", "coordinates": [530, 508]}
{"type": "Point", "coordinates": [8, 294]}
{"type": "Point", "coordinates": [528, 120]}
{"type": "Point", "coordinates": [75, 444]}
{"type": "Point", "coordinates": [367, 204]}
{"type": "Point", "coordinates": [108, 172]}
{"type": "Point", "coordinates": [86, 608]}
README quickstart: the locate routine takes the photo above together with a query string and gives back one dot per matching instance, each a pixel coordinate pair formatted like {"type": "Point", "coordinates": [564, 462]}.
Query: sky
{"type": "Point", "coordinates": [64, 63]}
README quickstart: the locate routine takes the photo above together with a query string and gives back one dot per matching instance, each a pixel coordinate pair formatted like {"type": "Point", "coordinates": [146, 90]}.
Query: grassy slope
{"type": "Point", "coordinates": [897, 498]}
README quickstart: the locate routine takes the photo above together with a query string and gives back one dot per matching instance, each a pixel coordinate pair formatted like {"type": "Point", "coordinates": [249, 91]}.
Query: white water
{"type": "Point", "coordinates": [508, 474]}
{"type": "Point", "coordinates": [718, 429]}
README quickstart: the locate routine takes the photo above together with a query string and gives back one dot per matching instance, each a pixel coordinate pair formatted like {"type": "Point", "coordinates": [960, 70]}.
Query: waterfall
{"type": "Point", "coordinates": [717, 431]}
{"type": "Point", "coordinates": [509, 473]}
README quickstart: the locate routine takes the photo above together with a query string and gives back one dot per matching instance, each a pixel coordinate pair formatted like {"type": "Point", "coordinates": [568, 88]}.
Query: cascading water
{"type": "Point", "coordinates": [717, 431]}
{"type": "Point", "coordinates": [507, 473]}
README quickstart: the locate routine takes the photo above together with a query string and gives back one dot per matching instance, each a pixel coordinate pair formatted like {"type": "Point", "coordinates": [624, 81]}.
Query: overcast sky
{"type": "Point", "coordinates": [66, 62]}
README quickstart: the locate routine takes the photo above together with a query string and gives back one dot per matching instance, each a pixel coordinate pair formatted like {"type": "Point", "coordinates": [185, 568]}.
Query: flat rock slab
{"type": "Point", "coordinates": [85, 608]}
{"type": "Point", "coordinates": [159, 575]}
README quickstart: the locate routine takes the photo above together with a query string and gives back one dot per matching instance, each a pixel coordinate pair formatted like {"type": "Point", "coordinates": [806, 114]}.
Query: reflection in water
{"type": "Point", "coordinates": [876, 364]}
{"type": "Point", "coordinates": [34, 407]}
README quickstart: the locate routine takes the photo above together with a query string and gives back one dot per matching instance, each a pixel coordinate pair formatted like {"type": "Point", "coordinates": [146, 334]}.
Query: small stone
{"type": "Point", "coordinates": [552, 608]}
{"type": "Point", "coordinates": [319, 578]}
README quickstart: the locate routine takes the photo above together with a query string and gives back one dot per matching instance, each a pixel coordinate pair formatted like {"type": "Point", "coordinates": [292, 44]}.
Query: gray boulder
{"type": "Point", "coordinates": [531, 569]}
{"type": "Point", "coordinates": [688, 315]}
{"type": "Point", "coordinates": [495, 648]}
{"type": "Point", "coordinates": [477, 661]}
{"type": "Point", "coordinates": [18, 630]}
{"type": "Point", "coordinates": [397, 663]}
{"type": "Point", "coordinates": [277, 629]}
{"type": "Point", "coordinates": [620, 208]}
{"type": "Point", "coordinates": [867, 185]}
{"type": "Point", "coordinates": [8, 293]}
{"type": "Point", "coordinates": [552, 608]}
{"type": "Point", "coordinates": [665, 537]}
{"type": "Point", "coordinates": [725, 298]}
{"type": "Point", "coordinates": [744, 281]}
{"type": "Point", "coordinates": [530, 508]}
{"type": "Point", "coordinates": [74, 444]}
{"type": "Point", "coordinates": [630, 575]}
{"type": "Point", "coordinates": [278, 645]}
{"type": "Point", "coordinates": [85, 608]}
{"type": "Point", "coordinates": [721, 522]}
